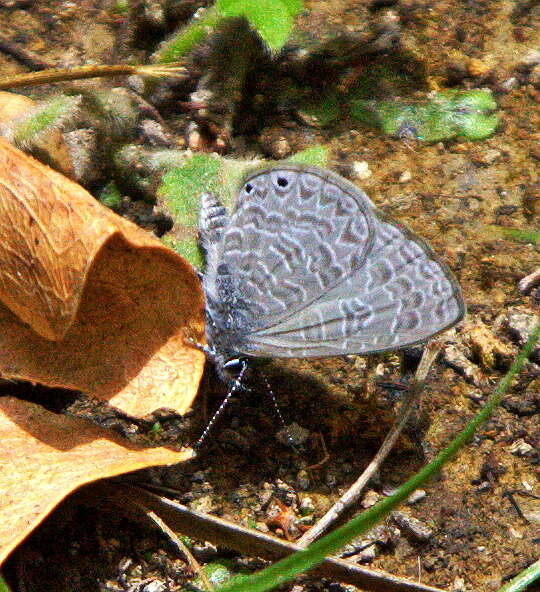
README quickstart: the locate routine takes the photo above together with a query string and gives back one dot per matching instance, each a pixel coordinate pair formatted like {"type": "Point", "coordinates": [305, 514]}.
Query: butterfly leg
{"type": "Point", "coordinates": [236, 385]}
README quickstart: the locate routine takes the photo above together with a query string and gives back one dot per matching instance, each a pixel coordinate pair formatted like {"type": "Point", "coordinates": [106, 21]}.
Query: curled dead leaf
{"type": "Point", "coordinates": [89, 301]}
{"type": "Point", "coordinates": [44, 457]}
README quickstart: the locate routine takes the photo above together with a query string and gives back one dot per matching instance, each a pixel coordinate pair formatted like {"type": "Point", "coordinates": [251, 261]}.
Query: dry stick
{"type": "Point", "coordinates": [177, 542]}
{"type": "Point", "coordinates": [353, 493]}
{"type": "Point", "coordinates": [26, 57]}
{"type": "Point", "coordinates": [90, 71]}
{"type": "Point", "coordinates": [244, 540]}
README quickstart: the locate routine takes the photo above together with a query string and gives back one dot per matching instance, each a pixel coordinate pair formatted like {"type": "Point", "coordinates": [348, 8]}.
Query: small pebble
{"type": "Point", "coordinates": [198, 476]}
{"type": "Point", "coordinates": [405, 177]}
{"type": "Point", "coordinates": [521, 448]}
{"type": "Point", "coordinates": [484, 486]}
{"type": "Point", "coordinates": [306, 506]}
{"type": "Point", "coordinates": [274, 143]}
{"type": "Point", "coordinates": [83, 149]}
{"type": "Point", "coordinates": [262, 526]}
{"type": "Point", "coordinates": [475, 396]}
{"type": "Point", "coordinates": [361, 169]}
{"type": "Point", "coordinates": [519, 324]}
{"type": "Point", "coordinates": [416, 496]}
{"type": "Point", "coordinates": [458, 585]}
{"type": "Point", "coordinates": [302, 479]}
{"type": "Point", "coordinates": [515, 533]}
{"type": "Point", "coordinates": [293, 435]}
{"type": "Point", "coordinates": [529, 282]}
{"type": "Point", "coordinates": [530, 59]}
{"type": "Point", "coordinates": [509, 84]}
{"type": "Point", "coordinates": [487, 157]}
{"type": "Point", "coordinates": [477, 67]}
{"type": "Point", "coordinates": [388, 490]}
{"type": "Point", "coordinates": [412, 527]}
{"type": "Point", "coordinates": [285, 492]}
{"type": "Point", "coordinates": [193, 138]}
{"type": "Point", "coordinates": [370, 499]}
{"type": "Point", "coordinates": [155, 586]}
{"type": "Point", "coordinates": [155, 133]}
{"type": "Point", "coordinates": [331, 479]}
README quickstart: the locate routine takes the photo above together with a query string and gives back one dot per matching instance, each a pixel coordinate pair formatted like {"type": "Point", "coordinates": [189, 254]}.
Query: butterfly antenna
{"type": "Point", "coordinates": [237, 384]}
{"type": "Point", "coordinates": [272, 396]}
{"type": "Point", "coordinates": [277, 410]}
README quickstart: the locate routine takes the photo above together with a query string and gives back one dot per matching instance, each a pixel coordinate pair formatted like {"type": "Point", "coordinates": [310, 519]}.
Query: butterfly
{"type": "Point", "coordinates": [307, 266]}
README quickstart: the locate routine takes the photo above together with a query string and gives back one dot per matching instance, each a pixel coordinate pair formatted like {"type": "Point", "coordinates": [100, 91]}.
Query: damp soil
{"type": "Point", "coordinates": [452, 194]}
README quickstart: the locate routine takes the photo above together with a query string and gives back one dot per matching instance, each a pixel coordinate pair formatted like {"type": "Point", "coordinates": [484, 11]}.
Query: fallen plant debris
{"type": "Point", "coordinates": [91, 302]}
{"type": "Point", "coordinates": [130, 501]}
{"type": "Point", "coordinates": [45, 456]}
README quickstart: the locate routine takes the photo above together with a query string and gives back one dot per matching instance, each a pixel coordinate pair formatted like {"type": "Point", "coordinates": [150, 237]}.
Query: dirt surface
{"type": "Point", "coordinates": [451, 194]}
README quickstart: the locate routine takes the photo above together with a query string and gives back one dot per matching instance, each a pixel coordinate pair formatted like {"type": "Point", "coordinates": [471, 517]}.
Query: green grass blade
{"type": "Point", "coordinates": [289, 567]}
{"type": "Point", "coordinates": [523, 579]}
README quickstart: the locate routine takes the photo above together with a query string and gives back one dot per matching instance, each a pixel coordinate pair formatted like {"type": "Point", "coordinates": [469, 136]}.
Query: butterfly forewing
{"type": "Point", "coordinates": [277, 243]}
{"type": "Point", "coordinates": [321, 272]}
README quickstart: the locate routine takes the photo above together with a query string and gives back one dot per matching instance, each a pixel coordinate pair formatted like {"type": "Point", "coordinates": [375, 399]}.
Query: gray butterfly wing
{"type": "Point", "coordinates": [321, 272]}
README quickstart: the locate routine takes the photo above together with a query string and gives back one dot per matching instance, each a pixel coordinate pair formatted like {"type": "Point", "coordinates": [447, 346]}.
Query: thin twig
{"type": "Point", "coordinates": [352, 495]}
{"type": "Point", "coordinates": [181, 547]}
{"type": "Point", "coordinates": [90, 71]}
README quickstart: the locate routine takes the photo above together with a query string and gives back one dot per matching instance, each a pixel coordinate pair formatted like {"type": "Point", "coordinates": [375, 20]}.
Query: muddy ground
{"type": "Point", "coordinates": [451, 193]}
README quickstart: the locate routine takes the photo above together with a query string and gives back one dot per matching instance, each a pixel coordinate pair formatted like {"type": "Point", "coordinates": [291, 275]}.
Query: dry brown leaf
{"type": "Point", "coordinates": [92, 302]}
{"type": "Point", "coordinates": [44, 457]}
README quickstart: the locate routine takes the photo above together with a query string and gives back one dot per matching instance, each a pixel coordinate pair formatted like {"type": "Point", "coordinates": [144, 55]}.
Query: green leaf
{"type": "Point", "coordinates": [187, 248]}
{"type": "Point", "coordinates": [44, 117]}
{"type": "Point", "coordinates": [300, 562]}
{"type": "Point", "coordinates": [181, 187]}
{"type": "Point", "coordinates": [314, 156]}
{"type": "Point", "coordinates": [294, 7]}
{"type": "Point", "coordinates": [184, 41]}
{"type": "Point", "coordinates": [443, 116]}
{"type": "Point", "coordinates": [272, 19]}
{"type": "Point", "coordinates": [110, 196]}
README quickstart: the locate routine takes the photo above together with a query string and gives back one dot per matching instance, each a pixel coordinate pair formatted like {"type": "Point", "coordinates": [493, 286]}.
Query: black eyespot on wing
{"type": "Point", "coordinates": [282, 182]}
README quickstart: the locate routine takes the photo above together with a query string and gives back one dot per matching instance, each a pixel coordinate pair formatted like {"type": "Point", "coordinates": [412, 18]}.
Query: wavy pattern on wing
{"type": "Point", "coordinates": [402, 296]}
{"type": "Point", "coordinates": [320, 272]}
{"type": "Point", "coordinates": [294, 235]}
